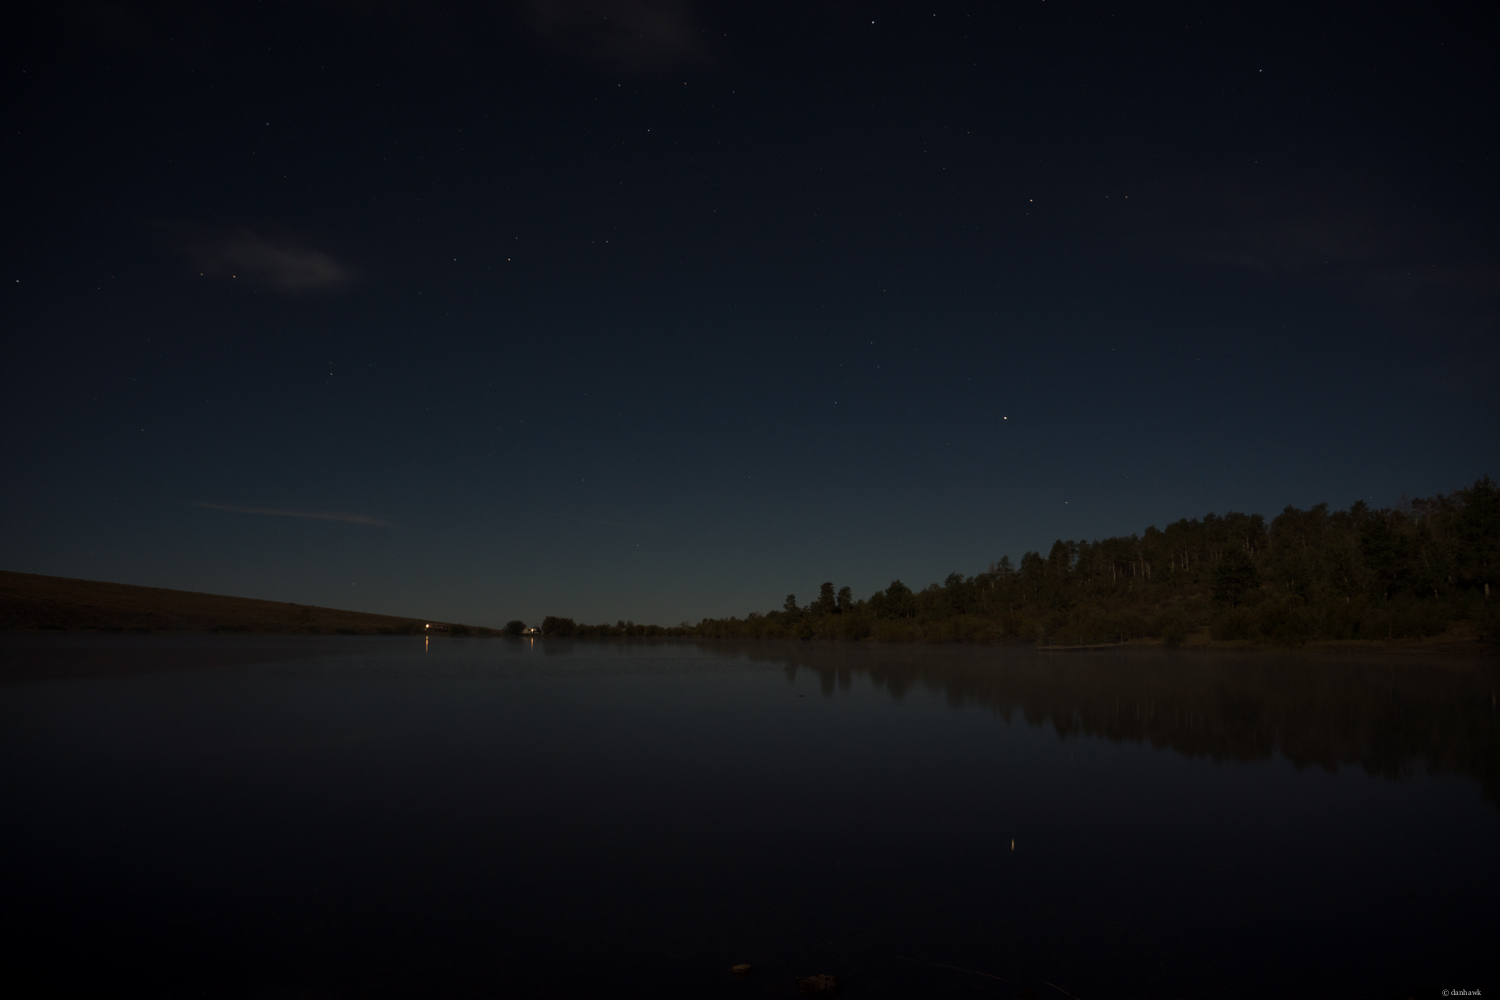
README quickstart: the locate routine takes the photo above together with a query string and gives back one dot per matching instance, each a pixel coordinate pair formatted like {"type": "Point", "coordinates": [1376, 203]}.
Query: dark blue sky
{"type": "Point", "coordinates": [656, 310]}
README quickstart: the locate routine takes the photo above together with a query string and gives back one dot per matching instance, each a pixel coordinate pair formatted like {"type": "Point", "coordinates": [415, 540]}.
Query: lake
{"type": "Point", "coordinates": [390, 817]}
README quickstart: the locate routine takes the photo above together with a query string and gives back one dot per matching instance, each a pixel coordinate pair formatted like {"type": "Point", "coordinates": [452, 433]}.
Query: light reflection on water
{"type": "Point", "coordinates": [351, 816]}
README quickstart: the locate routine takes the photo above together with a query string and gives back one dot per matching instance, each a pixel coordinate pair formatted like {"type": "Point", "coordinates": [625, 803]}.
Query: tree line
{"type": "Point", "coordinates": [1362, 573]}
{"type": "Point", "coordinates": [555, 626]}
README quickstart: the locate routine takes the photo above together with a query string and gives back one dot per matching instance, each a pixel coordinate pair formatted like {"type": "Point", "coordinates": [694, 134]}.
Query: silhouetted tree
{"type": "Point", "coordinates": [896, 601]}
{"type": "Point", "coordinates": [1479, 531]}
{"type": "Point", "coordinates": [1378, 547]}
{"type": "Point", "coordinates": [552, 625]}
{"type": "Point", "coordinates": [1234, 576]}
{"type": "Point", "coordinates": [826, 604]}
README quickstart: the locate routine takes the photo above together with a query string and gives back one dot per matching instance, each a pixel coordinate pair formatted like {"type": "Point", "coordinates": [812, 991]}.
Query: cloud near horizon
{"type": "Point", "coordinates": [284, 265]}
{"type": "Point", "coordinates": [310, 515]}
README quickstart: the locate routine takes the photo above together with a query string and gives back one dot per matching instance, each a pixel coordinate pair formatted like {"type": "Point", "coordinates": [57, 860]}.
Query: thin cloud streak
{"type": "Point", "coordinates": [286, 266]}
{"type": "Point", "coordinates": [308, 514]}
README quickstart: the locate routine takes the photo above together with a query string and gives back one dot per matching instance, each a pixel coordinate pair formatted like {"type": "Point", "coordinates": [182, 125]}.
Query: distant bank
{"type": "Point", "coordinates": [29, 602]}
{"type": "Point", "coordinates": [1425, 573]}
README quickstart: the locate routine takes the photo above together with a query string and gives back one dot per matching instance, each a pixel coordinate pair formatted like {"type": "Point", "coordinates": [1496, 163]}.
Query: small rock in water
{"type": "Point", "coordinates": [818, 986]}
{"type": "Point", "coordinates": [740, 970]}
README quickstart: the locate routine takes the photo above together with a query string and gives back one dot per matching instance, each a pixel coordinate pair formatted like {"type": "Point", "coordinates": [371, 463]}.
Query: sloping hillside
{"type": "Point", "coordinates": [31, 602]}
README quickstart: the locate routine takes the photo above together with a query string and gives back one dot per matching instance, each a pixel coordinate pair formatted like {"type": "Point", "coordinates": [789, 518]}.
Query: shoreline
{"type": "Point", "coordinates": [36, 605]}
{"type": "Point", "coordinates": [1459, 643]}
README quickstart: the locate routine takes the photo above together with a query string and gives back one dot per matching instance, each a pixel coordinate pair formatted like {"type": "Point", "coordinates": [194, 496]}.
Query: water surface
{"type": "Point", "coordinates": [341, 817]}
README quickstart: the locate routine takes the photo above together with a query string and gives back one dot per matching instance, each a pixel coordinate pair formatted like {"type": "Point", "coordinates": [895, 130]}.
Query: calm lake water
{"type": "Point", "coordinates": [359, 817]}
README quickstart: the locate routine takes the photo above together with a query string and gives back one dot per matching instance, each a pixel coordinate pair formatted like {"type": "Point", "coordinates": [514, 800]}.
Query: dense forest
{"type": "Point", "coordinates": [1402, 572]}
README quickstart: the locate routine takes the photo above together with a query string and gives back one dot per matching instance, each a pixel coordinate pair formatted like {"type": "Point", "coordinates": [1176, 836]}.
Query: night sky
{"type": "Point", "coordinates": [652, 310]}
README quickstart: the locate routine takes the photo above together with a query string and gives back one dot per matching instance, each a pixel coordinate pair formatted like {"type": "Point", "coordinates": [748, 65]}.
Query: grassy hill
{"type": "Point", "coordinates": [29, 602]}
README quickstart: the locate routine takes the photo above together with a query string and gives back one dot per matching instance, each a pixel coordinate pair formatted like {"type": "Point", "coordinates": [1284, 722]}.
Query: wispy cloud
{"type": "Point", "coordinates": [634, 34]}
{"type": "Point", "coordinates": [285, 265]}
{"type": "Point", "coordinates": [1292, 231]}
{"type": "Point", "coordinates": [309, 514]}
{"type": "Point", "coordinates": [1333, 230]}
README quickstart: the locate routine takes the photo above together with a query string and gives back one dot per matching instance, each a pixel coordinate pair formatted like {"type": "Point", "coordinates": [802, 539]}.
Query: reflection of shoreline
{"type": "Point", "coordinates": [1391, 716]}
{"type": "Point", "coordinates": [1391, 712]}
{"type": "Point", "coordinates": [1461, 639]}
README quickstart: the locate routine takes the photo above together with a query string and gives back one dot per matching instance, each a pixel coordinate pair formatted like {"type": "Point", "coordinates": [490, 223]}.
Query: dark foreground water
{"type": "Point", "coordinates": [359, 817]}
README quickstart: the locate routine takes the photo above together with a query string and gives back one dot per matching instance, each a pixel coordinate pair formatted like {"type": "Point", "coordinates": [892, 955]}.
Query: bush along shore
{"type": "Point", "coordinates": [1409, 572]}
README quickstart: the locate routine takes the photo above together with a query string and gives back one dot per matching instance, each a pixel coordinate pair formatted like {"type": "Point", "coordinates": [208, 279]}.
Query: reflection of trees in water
{"type": "Point", "coordinates": [1389, 717]}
